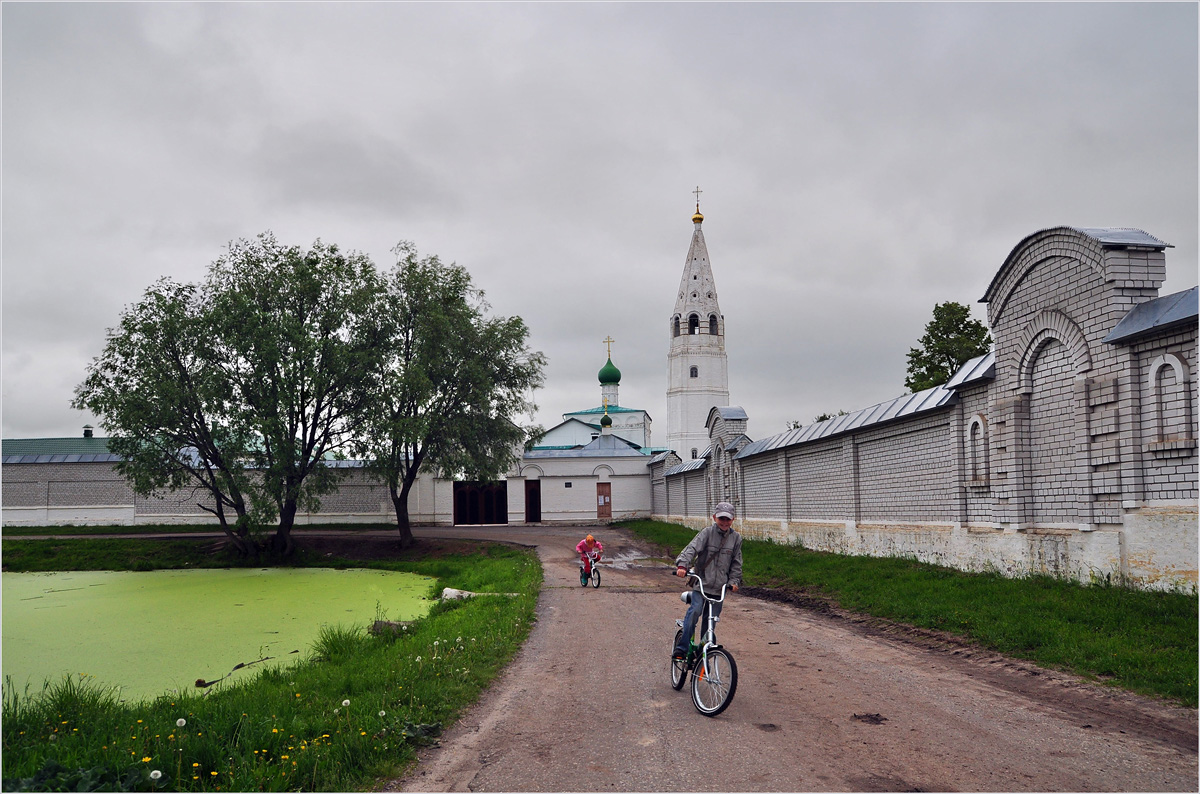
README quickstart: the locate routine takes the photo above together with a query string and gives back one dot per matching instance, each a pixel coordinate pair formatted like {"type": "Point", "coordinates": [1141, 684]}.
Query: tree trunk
{"type": "Point", "coordinates": [238, 539]}
{"type": "Point", "coordinates": [400, 502]}
{"type": "Point", "coordinates": [281, 542]}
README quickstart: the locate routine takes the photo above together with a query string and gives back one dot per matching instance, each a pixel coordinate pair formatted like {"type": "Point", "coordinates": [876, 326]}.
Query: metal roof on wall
{"type": "Point", "coordinates": [1122, 236]}
{"type": "Point", "coordinates": [76, 445]}
{"type": "Point", "coordinates": [1179, 308]}
{"type": "Point", "coordinates": [691, 465]}
{"type": "Point", "coordinates": [899, 408]}
{"type": "Point", "coordinates": [976, 370]}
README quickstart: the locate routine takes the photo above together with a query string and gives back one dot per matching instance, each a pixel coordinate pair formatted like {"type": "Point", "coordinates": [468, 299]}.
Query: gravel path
{"type": "Point", "coordinates": [825, 702]}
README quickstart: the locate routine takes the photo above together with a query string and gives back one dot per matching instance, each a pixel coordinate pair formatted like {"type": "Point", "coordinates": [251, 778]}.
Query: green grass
{"type": "Point", "coordinates": [286, 728]}
{"type": "Point", "coordinates": [1139, 640]}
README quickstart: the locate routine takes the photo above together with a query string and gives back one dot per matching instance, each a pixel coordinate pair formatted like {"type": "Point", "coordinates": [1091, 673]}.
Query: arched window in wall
{"type": "Point", "coordinates": [694, 453]}
{"type": "Point", "coordinates": [694, 372]}
{"type": "Point", "coordinates": [693, 324]}
{"type": "Point", "coordinates": [712, 324]}
{"type": "Point", "coordinates": [675, 322]}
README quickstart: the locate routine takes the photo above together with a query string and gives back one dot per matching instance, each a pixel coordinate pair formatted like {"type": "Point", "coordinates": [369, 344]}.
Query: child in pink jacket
{"type": "Point", "coordinates": [588, 544]}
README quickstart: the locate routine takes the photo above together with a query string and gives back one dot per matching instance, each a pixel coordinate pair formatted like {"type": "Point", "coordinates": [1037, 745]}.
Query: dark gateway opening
{"type": "Point", "coordinates": [480, 503]}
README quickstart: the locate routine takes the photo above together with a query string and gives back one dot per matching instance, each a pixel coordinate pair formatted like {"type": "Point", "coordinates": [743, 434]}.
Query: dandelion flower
{"type": "Point", "coordinates": [459, 639]}
{"type": "Point", "coordinates": [195, 765]}
{"type": "Point", "coordinates": [214, 774]}
{"type": "Point", "coordinates": [155, 775]}
{"type": "Point", "coordinates": [274, 730]}
{"type": "Point", "coordinates": [180, 722]}
{"type": "Point", "coordinates": [383, 714]}
{"type": "Point", "coordinates": [345, 702]}
{"type": "Point", "coordinates": [145, 759]}
{"type": "Point", "coordinates": [435, 642]}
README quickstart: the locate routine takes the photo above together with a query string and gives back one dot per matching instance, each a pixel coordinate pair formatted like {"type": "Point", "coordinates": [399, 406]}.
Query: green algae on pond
{"type": "Point", "coordinates": [151, 632]}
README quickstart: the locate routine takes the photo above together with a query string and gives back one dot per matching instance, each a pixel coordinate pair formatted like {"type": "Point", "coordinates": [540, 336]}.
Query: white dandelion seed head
{"type": "Point", "coordinates": [335, 711]}
{"type": "Point", "coordinates": [418, 658]}
{"type": "Point", "coordinates": [155, 775]}
{"type": "Point", "coordinates": [180, 722]}
{"type": "Point", "coordinates": [346, 702]}
{"type": "Point", "coordinates": [383, 714]}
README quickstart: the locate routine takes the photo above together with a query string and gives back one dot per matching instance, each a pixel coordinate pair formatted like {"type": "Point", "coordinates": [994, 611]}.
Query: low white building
{"type": "Point", "coordinates": [606, 479]}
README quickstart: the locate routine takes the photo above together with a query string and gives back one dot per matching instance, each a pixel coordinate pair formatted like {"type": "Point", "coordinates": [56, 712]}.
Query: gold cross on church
{"type": "Point", "coordinates": [697, 191]}
{"type": "Point", "coordinates": [608, 342]}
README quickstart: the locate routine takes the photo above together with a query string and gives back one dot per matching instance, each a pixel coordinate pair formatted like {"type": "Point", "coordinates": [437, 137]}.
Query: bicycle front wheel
{"type": "Point", "coordinates": [595, 576]}
{"type": "Point", "coordinates": [678, 666]}
{"type": "Point", "coordinates": [713, 682]}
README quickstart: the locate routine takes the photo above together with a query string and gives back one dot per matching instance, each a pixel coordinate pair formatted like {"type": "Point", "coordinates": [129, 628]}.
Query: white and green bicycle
{"type": "Point", "coordinates": [713, 670]}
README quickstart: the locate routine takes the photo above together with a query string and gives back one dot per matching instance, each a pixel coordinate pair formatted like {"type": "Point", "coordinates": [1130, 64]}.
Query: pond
{"type": "Point", "coordinates": [152, 632]}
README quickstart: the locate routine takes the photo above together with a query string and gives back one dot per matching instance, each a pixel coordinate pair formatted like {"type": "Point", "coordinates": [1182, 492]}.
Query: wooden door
{"type": "Point", "coordinates": [604, 500]}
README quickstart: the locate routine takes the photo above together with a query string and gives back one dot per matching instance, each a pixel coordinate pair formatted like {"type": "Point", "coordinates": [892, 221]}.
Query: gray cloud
{"type": "Point", "coordinates": [860, 162]}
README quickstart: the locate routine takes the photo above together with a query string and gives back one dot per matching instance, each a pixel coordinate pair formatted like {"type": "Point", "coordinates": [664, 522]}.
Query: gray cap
{"type": "Point", "coordinates": [724, 509]}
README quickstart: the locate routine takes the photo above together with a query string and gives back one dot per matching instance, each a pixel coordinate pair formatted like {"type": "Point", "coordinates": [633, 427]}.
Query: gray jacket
{"type": "Point", "coordinates": [718, 556]}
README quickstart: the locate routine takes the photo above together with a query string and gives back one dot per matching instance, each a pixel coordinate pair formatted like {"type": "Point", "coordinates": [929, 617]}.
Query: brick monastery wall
{"type": "Point", "coordinates": [1078, 459]}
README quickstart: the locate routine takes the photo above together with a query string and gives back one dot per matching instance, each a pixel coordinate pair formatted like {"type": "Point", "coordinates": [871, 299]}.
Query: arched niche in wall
{"type": "Point", "coordinates": [1170, 396]}
{"type": "Point", "coordinates": [1046, 327]}
{"type": "Point", "coordinates": [978, 464]}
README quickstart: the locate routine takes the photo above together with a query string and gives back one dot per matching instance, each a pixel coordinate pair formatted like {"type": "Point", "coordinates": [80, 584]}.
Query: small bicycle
{"type": "Point", "coordinates": [714, 672]}
{"type": "Point", "coordinates": [594, 577]}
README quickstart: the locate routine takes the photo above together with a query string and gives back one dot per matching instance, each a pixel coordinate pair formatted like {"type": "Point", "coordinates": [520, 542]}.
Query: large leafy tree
{"type": "Point", "coordinates": [951, 339]}
{"type": "Point", "coordinates": [166, 412]}
{"type": "Point", "coordinates": [452, 382]}
{"type": "Point", "coordinates": [295, 334]}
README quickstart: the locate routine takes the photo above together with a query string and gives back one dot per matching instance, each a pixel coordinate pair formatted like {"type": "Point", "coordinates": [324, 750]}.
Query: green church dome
{"type": "Point", "coordinates": [606, 421]}
{"type": "Point", "coordinates": [609, 375]}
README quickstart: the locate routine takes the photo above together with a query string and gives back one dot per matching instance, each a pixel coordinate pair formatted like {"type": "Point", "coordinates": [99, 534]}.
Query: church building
{"type": "Point", "coordinates": [579, 428]}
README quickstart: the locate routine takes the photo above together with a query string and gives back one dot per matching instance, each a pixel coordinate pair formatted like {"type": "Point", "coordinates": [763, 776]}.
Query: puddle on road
{"type": "Point", "coordinates": [625, 561]}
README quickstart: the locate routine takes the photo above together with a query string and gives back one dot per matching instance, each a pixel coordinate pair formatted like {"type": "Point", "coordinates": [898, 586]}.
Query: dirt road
{"type": "Point", "coordinates": [824, 703]}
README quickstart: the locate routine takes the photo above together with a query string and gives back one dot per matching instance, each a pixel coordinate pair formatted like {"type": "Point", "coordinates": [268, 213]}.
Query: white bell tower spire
{"type": "Point", "coordinates": [697, 367]}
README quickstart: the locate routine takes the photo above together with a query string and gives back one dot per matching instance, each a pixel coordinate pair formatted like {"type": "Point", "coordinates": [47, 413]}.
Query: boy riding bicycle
{"type": "Point", "coordinates": [717, 551]}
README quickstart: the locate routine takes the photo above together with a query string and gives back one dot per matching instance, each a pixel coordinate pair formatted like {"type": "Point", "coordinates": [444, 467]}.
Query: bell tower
{"type": "Point", "coordinates": [697, 367]}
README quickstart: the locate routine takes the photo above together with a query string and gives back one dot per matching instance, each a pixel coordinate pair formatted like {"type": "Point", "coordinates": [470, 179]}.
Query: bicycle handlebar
{"type": "Point", "coordinates": [691, 574]}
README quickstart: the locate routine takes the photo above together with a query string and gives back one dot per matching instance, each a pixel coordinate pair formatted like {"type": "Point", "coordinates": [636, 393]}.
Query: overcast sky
{"type": "Point", "coordinates": [859, 163]}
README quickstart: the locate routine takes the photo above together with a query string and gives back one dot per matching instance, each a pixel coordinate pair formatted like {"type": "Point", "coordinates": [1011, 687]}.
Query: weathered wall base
{"type": "Point", "coordinates": [1132, 553]}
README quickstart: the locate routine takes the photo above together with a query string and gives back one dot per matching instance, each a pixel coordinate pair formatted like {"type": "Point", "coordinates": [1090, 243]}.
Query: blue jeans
{"type": "Point", "coordinates": [695, 614]}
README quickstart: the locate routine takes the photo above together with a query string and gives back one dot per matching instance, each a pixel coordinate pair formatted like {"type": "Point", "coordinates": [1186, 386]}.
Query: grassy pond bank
{"type": "Point", "coordinates": [351, 709]}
